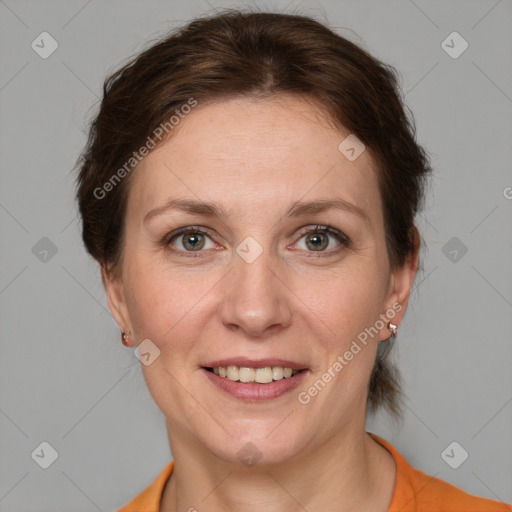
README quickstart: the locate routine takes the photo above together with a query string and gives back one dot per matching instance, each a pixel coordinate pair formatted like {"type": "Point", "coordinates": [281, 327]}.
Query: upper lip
{"type": "Point", "coordinates": [255, 363]}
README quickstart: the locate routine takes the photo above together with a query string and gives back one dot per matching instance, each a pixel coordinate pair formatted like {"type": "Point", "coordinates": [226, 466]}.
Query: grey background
{"type": "Point", "coordinates": [65, 377]}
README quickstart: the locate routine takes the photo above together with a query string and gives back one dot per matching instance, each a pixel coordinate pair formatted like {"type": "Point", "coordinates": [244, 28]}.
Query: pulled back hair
{"type": "Point", "coordinates": [239, 53]}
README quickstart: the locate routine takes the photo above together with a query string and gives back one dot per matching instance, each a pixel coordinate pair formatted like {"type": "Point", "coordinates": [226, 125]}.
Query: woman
{"type": "Point", "coordinates": [249, 189]}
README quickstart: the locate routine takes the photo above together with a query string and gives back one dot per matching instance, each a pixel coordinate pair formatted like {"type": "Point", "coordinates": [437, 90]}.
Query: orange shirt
{"type": "Point", "coordinates": [414, 492]}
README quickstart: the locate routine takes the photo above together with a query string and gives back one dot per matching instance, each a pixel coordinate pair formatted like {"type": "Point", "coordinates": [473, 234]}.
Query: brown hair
{"type": "Point", "coordinates": [245, 53]}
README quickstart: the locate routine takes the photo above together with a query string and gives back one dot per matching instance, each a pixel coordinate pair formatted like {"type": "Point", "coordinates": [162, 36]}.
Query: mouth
{"type": "Point", "coordinates": [263, 375]}
{"type": "Point", "coordinates": [255, 381]}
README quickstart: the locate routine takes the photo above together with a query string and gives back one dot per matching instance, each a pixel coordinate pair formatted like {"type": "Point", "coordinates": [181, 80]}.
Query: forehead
{"type": "Point", "coordinates": [254, 154]}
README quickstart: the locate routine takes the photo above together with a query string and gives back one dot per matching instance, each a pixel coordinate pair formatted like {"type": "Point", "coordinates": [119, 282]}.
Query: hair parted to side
{"type": "Point", "coordinates": [255, 54]}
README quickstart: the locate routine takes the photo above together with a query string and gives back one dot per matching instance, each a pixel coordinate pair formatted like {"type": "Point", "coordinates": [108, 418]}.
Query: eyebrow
{"type": "Point", "coordinates": [298, 209]}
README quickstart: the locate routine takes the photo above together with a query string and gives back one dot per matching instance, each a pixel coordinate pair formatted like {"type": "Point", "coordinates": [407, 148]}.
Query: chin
{"type": "Point", "coordinates": [258, 448]}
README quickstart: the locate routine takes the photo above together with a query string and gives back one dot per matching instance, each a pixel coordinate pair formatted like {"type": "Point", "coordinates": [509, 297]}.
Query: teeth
{"type": "Point", "coordinates": [277, 372]}
{"type": "Point", "coordinates": [263, 375]}
{"type": "Point", "coordinates": [260, 375]}
{"type": "Point", "coordinates": [233, 373]}
{"type": "Point", "coordinates": [246, 374]}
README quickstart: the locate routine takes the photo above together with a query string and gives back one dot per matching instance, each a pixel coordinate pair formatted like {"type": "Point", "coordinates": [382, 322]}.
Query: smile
{"type": "Point", "coordinates": [257, 383]}
{"type": "Point", "coordinates": [264, 375]}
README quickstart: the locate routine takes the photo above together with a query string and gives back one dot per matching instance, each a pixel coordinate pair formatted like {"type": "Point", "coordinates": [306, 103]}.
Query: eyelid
{"type": "Point", "coordinates": [326, 229]}
{"type": "Point", "coordinates": [166, 242]}
{"type": "Point", "coordinates": [342, 238]}
{"type": "Point", "coordinates": [187, 229]}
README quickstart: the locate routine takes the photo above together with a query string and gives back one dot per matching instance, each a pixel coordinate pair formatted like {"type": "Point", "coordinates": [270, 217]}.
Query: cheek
{"type": "Point", "coordinates": [171, 310]}
{"type": "Point", "coordinates": [163, 303]}
{"type": "Point", "coordinates": [350, 308]}
{"type": "Point", "coordinates": [345, 302]}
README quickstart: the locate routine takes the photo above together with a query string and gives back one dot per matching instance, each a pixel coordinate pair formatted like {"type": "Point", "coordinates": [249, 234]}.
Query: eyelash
{"type": "Point", "coordinates": [340, 237]}
{"type": "Point", "coordinates": [343, 239]}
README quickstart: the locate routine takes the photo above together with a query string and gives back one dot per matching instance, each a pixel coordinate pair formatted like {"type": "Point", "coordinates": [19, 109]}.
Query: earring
{"type": "Point", "coordinates": [385, 346]}
{"type": "Point", "coordinates": [124, 338]}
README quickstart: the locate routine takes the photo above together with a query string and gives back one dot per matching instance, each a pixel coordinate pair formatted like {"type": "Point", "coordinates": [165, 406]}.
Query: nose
{"type": "Point", "coordinates": [256, 299]}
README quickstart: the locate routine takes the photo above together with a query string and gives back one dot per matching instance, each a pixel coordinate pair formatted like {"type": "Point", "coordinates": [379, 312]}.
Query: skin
{"type": "Point", "coordinates": [256, 157]}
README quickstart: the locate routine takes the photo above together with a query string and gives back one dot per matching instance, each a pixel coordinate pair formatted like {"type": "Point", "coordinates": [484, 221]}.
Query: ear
{"type": "Point", "coordinates": [401, 281]}
{"type": "Point", "coordinates": [113, 284]}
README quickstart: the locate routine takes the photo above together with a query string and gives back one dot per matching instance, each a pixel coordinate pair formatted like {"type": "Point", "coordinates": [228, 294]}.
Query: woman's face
{"type": "Point", "coordinates": [252, 288]}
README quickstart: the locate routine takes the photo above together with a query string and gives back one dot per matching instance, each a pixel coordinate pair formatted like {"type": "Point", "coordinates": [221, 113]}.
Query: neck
{"type": "Point", "coordinates": [351, 470]}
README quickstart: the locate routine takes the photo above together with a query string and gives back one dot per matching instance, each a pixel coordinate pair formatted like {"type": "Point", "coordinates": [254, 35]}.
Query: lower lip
{"type": "Point", "coordinates": [253, 391]}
